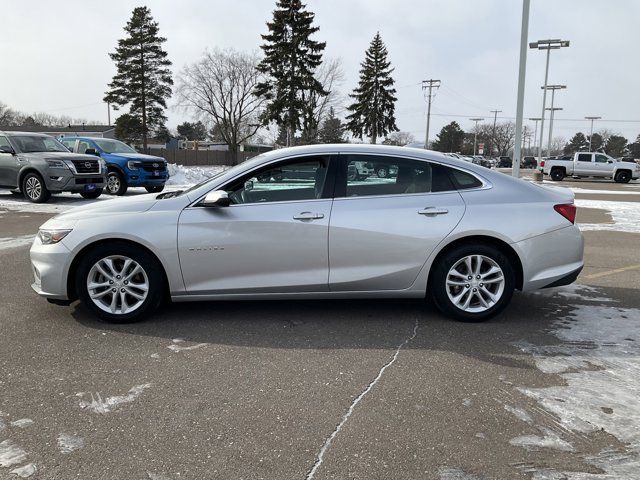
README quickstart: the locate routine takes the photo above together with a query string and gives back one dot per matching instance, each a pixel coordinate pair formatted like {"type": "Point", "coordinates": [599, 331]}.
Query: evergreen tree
{"type": "Point", "coordinates": [449, 139]}
{"type": "Point", "coordinates": [578, 143]}
{"type": "Point", "coordinates": [616, 146]}
{"type": "Point", "coordinates": [291, 58]}
{"type": "Point", "coordinates": [332, 130]}
{"type": "Point", "coordinates": [634, 148]}
{"type": "Point", "coordinates": [143, 79]}
{"type": "Point", "coordinates": [192, 131]}
{"type": "Point", "coordinates": [128, 128]}
{"type": "Point", "coordinates": [373, 112]}
{"type": "Point", "coordinates": [597, 142]}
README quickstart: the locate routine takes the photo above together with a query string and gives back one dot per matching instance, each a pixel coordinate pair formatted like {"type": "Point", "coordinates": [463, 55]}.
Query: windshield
{"type": "Point", "coordinates": [113, 146]}
{"type": "Point", "coordinates": [37, 143]}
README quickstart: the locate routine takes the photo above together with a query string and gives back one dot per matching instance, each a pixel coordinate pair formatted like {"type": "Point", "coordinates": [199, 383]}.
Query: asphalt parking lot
{"type": "Point", "coordinates": [330, 389]}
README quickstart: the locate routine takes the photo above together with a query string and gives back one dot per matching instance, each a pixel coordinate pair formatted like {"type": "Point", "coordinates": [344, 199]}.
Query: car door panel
{"type": "Point", "coordinates": [9, 166]}
{"type": "Point", "coordinates": [381, 243]}
{"type": "Point", "coordinates": [255, 248]}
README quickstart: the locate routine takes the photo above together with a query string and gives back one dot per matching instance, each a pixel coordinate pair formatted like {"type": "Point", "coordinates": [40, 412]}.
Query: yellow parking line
{"type": "Point", "coordinates": [611, 272]}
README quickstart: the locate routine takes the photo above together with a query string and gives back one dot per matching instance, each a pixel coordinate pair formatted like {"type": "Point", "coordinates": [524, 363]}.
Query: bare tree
{"type": "Point", "coordinates": [505, 137]}
{"type": "Point", "coordinates": [219, 89]}
{"type": "Point", "coordinates": [8, 116]}
{"type": "Point", "coordinates": [557, 145]}
{"type": "Point", "coordinates": [399, 138]}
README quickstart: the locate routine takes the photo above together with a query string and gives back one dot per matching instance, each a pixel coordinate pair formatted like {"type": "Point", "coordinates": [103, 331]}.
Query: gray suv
{"type": "Point", "coordinates": [38, 165]}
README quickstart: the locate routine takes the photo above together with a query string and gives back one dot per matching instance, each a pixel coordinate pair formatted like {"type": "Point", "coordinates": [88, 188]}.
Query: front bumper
{"type": "Point", "coordinates": [551, 257]}
{"type": "Point", "coordinates": [59, 180]}
{"type": "Point", "coordinates": [144, 178]}
{"type": "Point", "coordinates": [49, 265]}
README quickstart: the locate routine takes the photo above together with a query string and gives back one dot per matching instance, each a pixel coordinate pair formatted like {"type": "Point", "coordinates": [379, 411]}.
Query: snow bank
{"type": "Point", "coordinates": [626, 215]}
{"type": "Point", "coordinates": [186, 176]}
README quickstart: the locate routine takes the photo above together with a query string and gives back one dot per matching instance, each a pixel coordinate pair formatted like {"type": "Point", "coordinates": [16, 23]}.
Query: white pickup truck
{"type": "Point", "coordinates": [586, 164]}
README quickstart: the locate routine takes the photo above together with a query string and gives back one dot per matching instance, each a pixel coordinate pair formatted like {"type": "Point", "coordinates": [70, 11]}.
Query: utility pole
{"type": "Point", "coordinates": [475, 132]}
{"type": "Point", "coordinates": [553, 89]}
{"type": "Point", "coordinates": [522, 71]}
{"type": "Point", "coordinates": [493, 135]}
{"type": "Point", "coordinates": [591, 134]}
{"type": "Point", "coordinates": [429, 85]}
{"type": "Point", "coordinates": [535, 134]}
{"type": "Point", "coordinates": [108, 114]}
{"type": "Point", "coordinates": [548, 45]}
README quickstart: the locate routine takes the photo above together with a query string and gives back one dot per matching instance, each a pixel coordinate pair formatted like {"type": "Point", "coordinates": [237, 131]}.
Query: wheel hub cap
{"type": "Point", "coordinates": [475, 283]}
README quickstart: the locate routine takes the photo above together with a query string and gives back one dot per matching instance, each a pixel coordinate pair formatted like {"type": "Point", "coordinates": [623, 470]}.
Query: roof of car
{"type": "Point", "coordinates": [75, 129]}
{"type": "Point", "coordinates": [17, 132]}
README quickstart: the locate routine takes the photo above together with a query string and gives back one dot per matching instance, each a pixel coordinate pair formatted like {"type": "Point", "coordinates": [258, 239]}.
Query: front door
{"type": "Point", "coordinates": [383, 229]}
{"type": "Point", "coordinates": [8, 166]}
{"type": "Point", "coordinates": [271, 239]}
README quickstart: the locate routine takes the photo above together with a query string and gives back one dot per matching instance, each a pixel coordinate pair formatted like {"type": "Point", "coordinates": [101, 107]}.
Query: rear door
{"type": "Point", "coordinates": [383, 229]}
{"type": "Point", "coordinates": [584, 165]}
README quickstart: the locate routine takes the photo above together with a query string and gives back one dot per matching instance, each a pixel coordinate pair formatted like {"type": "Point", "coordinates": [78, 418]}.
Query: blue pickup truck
{"type": "Point", "coordinates": [125, 167]}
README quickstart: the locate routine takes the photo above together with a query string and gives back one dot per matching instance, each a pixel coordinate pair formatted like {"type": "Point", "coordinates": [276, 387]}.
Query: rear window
{"type": "Point", "coordinates": [584, 157]}
{"type": "Point", "coordinates": [463, 180]}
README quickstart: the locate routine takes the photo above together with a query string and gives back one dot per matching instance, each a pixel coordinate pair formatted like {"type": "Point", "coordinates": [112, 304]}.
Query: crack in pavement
{"type": "Point", "coordinates": [334, 434]}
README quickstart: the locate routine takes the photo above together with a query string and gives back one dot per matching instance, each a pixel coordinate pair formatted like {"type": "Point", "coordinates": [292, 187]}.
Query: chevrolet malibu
{"type": "Point", "coordinates": [456, 233]}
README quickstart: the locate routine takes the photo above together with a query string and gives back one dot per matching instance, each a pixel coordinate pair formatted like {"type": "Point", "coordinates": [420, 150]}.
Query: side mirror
{"type": "Point", "coordinates": [609, 161]}
{"type": "Point", "coordinates": [91, 151]}
{"type": "Point", "coordinates": [217, 198]}
{"type": "Point", "coordinates": [7, 149]}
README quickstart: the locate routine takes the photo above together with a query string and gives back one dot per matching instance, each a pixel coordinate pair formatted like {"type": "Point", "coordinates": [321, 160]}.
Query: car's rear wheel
{"type": "Point", "coordinates": [472, 283]}
{"type": "Point", "coordinates": [34, 188]}
{"type": "Point", "coordinates": [119, 283]}
{"type": "Point", "coordinates": [92, 195]}
{"type": "Point", "coordinates": [557, 174]}
{"type": "Point", "coordinates": [154, 189]}
{"type": "Point", "coordinates": [623, 176]}
{"type": "Point", "coordinates": [116, 184]}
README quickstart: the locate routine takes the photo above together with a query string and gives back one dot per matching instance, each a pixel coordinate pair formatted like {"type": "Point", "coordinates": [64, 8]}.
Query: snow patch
{"type": "Point", "coordinates": [548, 440]}
{"type": "Point", "coordinates": [573, 291]}
{"type": "Point", "coordinates": [22, 423]}
{"type": "Point", "coordinates": [176, 347]}
{"type": "Point", "coordinates": [11, 454]}
{"type": "Point", "coordinates": [17, 242]}
{"type": "Point", "coordinates": [25, 471]}
{"type": "Point", "coordinates": [626, 215]}
{"type": "Point", "coordinates": [69, 443]}
{"type": "Point", "coordinates": [449, 473]}
{"type": "Point", "coordinates": [520, 413]}
{"type": "Point", "coordinates": [100, 405]}
{"type": "Point", "coordinates": [185, 176]}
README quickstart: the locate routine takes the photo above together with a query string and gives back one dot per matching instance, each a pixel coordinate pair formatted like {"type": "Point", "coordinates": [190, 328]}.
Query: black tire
{"type": "Point", "coordinates": [116, 183]}
{"type": "Point", "coordinates": [91, 195]}
{"type": "Point", "coordinates": [146, 260]}
{"type": "Point", "coordinates": [623, 176]}
{"type": "Point", "coordinates": [34, 188]}
{"type": "Point", "coordinates": [154, 189]}
{"type": "Point", "coordinates": [557, 174]}
{"type": "Point", "coordinates": [382, 172]}
{"type": "Point", "coordinates": [438, 285]}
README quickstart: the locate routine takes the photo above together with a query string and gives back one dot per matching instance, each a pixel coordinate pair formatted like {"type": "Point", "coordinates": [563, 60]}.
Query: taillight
{"type": "Point", "coordinates": [567, 210]}
{"type": "Point", "coordinates": [541, 163]}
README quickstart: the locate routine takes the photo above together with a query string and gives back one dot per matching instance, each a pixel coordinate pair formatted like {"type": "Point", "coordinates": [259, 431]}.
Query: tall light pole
{"type": "Point", "coordinates": [591, 134]}
{"type": "Point", "coordinates": [547, 45]}
{"type": "Point", "coordinates": [522, 70]}
{"type": "Point", "coordinates": [429, 85]}
{"type": "Point", "coordinates": [535, 134]}
{"type": "Point", "coordinates": [475, 134]}
{"type": "Point", "coordinates": [493, 135]}
{"type": "Point", "coordinates": [553, 89]}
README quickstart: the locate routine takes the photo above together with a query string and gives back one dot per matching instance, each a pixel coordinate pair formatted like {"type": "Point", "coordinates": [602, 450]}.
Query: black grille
{"type": "Point", "coordinates": [154, 166]}
{"type": "Point", "coordinates": [86, 166]}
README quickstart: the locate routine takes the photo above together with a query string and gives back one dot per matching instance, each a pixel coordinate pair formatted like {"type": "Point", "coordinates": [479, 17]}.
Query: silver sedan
{"type": "Point", "coordinates": [294, 224]}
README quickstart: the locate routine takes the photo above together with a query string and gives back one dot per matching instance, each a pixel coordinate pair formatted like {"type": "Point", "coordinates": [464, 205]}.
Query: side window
{"type": "Point", "coordinates": [4, 142]}
{"type": "Point", "coordinates": [303, 179]}
{"type": "Point", "coordinates": [68, 143]}
{"type": "Point", "coordinates": [83, 145]}
{"type": "Point", "coordinates": [584, 157]}
{"type": "Point", "coordinates": [463, 180]}
{"type": "Point", "coordinates": [602, 158]}
{"type": "Point", "coordinates": [369, 175]}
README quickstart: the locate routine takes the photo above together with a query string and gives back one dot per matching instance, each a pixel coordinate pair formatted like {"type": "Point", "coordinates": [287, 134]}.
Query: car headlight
{"type": "Point", "coordinates": [103, 165]}
{"type": "Point", "coordinates": [56, 164]}
{"type": "Point", "coordinates": [134, 164]}
{"type": "Point", "coordinates": [49, 237]}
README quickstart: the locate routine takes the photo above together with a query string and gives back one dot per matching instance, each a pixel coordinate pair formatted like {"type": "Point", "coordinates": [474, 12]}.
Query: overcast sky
{"type": "Point", "coordinates": [55, 55]}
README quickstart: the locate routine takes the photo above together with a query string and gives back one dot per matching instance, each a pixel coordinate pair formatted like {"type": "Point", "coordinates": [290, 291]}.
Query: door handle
{"type": "Point", "coordinates": [433, 211]}
{"type": "Point", "coordinates": [308, 216]}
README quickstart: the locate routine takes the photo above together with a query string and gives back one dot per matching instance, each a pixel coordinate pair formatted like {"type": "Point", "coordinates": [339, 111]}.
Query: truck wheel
{"type": "Point", "coordinates": [623, 176]}
{"type": "Point", "coordinates": [155, 189]}
{"type": "Point", "coordinates": [116, 184]}
{"type": "Point", "coordinates": [472, 283]}
{"type": "Point", "coordinates": [382, 172]}
{"type": "Point", "coordinates": [34, 188]}
{"type": "Point", "coordinates": [91, 195]}
{"type": "Point", "coordinates": [557, 174]}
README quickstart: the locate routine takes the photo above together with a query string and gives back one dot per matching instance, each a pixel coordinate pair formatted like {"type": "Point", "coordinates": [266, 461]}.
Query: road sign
{"type": "Point", "coordinates": [481, 148]}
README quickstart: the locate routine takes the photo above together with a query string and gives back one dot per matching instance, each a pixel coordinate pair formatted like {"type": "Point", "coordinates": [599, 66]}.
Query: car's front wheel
{"type": "Point", "coordinates": [34, 188]}
{"type": "Point", "coordinates": [154, 189]}
{"type": "Point", "coordinates": [119, 282]}
{"type": "Point", "coordinates": [472, 283]}
{"type": "Point", "coordinates": [116, 184]}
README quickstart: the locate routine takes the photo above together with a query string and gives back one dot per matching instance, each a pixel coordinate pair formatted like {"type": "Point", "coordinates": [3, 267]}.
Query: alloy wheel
{"type": "Point", "coordinates": [475, 283]}
{"type": "Point", "coordinates": [113, 183]}
{"type": "Point", "coordinates": [33, 188]}
{"type": "Point", "coordinates": [117, 284]}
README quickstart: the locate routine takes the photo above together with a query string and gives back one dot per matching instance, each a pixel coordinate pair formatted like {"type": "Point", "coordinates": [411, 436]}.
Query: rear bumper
{"type": "Point", "coordinates": [551, 258]}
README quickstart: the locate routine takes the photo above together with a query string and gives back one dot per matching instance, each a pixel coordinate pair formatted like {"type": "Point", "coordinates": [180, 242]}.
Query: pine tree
{"type": "Point", "coordinates": [578, 143]}
{"type": "Point", "coordinates": [332, 130]}
{"type": "Point", "coordinates": [449, 139]}
{"type": "Point", "coordinates": [373, 112]}
{"type": "Point", "coordinates": [143, 79]}
{"type": "Point", "coordinates": [291, 58]}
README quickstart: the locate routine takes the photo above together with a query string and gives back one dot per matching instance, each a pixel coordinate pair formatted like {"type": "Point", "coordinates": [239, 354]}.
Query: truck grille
{"type": "Point", "coordinates": [86, 166]}
{"type": "Point", "coordinates": [154, 166]}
